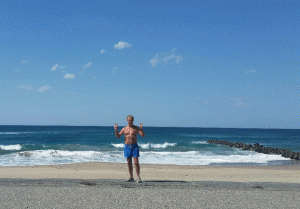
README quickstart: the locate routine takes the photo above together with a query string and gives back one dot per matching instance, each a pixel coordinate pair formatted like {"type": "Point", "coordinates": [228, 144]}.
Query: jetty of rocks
{"type": "Point", "coordinates": [259, 148]}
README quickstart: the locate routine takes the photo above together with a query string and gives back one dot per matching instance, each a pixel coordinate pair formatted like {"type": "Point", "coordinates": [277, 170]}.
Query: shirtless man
{"type": "Point", "coordinates": [131, 148]}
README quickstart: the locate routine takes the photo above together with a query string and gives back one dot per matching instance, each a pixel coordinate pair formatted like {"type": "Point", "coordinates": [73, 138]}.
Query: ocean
{"type": "Point", "coordinates": [47, 145]}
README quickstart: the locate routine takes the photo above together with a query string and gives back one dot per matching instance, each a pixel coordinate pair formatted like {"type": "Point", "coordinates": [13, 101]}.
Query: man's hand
{"type": "Point", "coordinates": [118, 135]}
{"type": "Point", "coordinates": [141, 126]}
{"type": "Point", "coordinates": [141, 131]}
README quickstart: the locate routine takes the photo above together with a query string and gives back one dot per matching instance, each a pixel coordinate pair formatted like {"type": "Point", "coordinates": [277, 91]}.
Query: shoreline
{"type": "Point", "coordinates": [289, 173]}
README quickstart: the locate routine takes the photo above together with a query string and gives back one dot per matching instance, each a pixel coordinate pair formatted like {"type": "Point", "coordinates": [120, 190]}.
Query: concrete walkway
{"type": "Point", "coordinates": [70, 193]}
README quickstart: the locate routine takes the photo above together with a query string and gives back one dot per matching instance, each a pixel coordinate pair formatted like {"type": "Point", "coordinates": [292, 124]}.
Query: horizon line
{"type": "Point", "coordinates": [160, 127]}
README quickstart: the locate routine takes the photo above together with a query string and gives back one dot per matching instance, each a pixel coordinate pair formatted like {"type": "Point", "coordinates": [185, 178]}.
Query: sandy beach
{"type": "Point", "coordinates": [99, 170]}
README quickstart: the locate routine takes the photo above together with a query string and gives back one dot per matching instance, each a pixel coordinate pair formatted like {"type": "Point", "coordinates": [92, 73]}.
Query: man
{"type": "Point", "coordinates": [131, 148]}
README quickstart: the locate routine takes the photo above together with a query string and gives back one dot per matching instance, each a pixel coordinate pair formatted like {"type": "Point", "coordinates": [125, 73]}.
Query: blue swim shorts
{"type": "Point", "coordinates": [131, 150]}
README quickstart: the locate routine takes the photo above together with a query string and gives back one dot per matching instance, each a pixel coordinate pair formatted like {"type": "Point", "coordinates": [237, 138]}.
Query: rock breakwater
{"type": "Point", "coordinates": [259, 148]}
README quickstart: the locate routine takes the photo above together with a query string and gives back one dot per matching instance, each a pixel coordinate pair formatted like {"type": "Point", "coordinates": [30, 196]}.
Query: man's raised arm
{"type": "Point", "coordinates": [118, 135]}
{"type": "Point", "coordinates": [141, 131]}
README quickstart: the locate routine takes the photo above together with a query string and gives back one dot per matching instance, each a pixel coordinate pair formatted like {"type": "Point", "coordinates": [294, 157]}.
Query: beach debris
{"type": "Point", "coordinates": [54, 152]}
{"type": "Point", "coordinates": [25, 154]}
{"type": "Point", "coordinates": [87, 183]}
{"type": "Point", "coordinates": [256, 187]}
{"type": "Point", "coordinates": [259, 148]}
{"type": "Point", "coordinates": [126, 186]}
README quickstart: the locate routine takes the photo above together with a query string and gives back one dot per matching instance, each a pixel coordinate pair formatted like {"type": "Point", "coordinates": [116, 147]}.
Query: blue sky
{"type": "Point", "coordinates": [169, 63]}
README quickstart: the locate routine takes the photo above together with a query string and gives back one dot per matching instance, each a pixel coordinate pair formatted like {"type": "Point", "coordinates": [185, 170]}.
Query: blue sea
{"type": "Point", "coordinates": [47, 145]}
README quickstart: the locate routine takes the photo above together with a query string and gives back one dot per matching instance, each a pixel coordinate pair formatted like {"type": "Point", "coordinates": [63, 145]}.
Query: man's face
{"type": "Point", "coordinates": [130, 121]}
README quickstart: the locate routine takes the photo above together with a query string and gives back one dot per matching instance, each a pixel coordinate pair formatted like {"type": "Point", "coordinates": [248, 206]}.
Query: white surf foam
{"type": "Point", "coordinates": [199, 142]}
{"type": "Point", "coordinates": [145, 146]}
{"type": "Point", "coordinates": [149, 145]}
{"type": "Point", "coordinates": [11, 147]}
{"type": "Point", "coordinates": [198, 158]}
{"type": "Point", "coordinates": [18, 132]}
{"type": "Point", "coordinates": [164, 145]}
{"type": "Point", "coordinates": [118, 145]}
{"type": "Point", "coordinates": [9, 133]}
{"type": "Point", "coordinates": [48, 157]}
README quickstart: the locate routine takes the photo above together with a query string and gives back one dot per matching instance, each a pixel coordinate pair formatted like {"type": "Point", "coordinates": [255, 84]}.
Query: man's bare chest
{"type": "Point", "coordinates": [131, 131]}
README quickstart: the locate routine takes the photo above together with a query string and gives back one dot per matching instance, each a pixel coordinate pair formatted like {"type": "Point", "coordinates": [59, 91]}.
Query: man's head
{"type": "Point", "coordinates": [130, 116]}
{"type": "Point", "coordinates": [130, 120]}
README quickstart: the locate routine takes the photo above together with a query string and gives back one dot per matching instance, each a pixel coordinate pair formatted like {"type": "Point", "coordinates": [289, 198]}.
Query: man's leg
{"type": "Point", "coordinates": [129, 162]}
{"type": "Point", "coordinates": [137, 166]}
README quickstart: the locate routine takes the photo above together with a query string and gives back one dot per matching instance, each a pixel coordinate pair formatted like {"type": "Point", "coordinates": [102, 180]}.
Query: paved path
{"type": "Point", "coordinates": [62, 193]}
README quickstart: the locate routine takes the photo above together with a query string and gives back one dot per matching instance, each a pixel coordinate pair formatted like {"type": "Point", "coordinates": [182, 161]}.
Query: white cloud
{"type": "Point", "coordinates": [44, 88]}
{"type": "Point", "coordinates": [102, 51]}
{"type": "Point", "coordinates": [69, 76]}
{"type": "Point", "coordinates": [154, 61]}
{"type": "Point", "coordinates": [114, 70]}
{"type": "Point", "coordinates": [122, 45]}
{"type": "Point", "coordinates": [165, 57]}
{"type": "Point", "coordinates": [63, 66]}
{"type": "Point", "coordinates": [87, 65]}
{"type": "Point", "coordinates": [54, 67]}
{"type": "Point", "coordinates": [168, 57]}
{"type": "Point", "coordinates": [178, 59]}
{"type": "Point", "coordinates": [25, 87]}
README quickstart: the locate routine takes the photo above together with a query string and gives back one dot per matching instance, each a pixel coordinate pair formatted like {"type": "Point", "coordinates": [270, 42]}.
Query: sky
{"type": "Point", "coordinates": [216, 63]}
